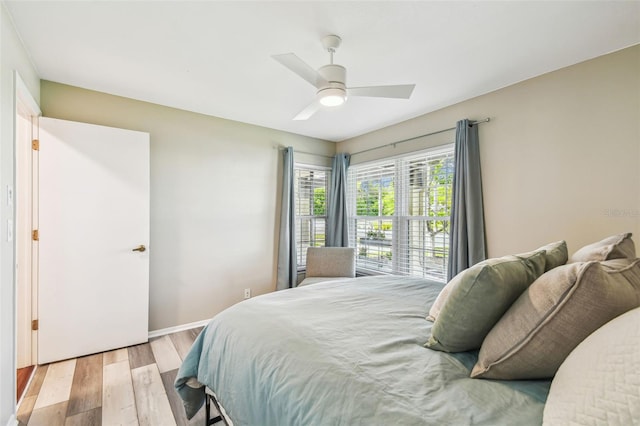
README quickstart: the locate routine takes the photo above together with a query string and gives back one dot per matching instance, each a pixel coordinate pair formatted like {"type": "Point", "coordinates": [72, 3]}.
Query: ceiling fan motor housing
{"type": "Point", "coordinates": [335, 75]}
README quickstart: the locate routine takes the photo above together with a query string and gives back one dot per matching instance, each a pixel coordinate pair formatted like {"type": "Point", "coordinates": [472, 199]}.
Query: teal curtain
{"type": "Point", "coordinates": [467, 244]}
{"type": "Point", "coordinates": [287, 259]}
{"type": "Point", "coordinates": [337, 223]}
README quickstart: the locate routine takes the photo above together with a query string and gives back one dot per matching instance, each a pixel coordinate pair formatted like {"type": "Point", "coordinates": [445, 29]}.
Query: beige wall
{"type": "Point", "coordinates": [214, 197]}
{"type": "Point", "coordinates": [560, 157]}
{"type": "Point", "coordinates": [13, 58]}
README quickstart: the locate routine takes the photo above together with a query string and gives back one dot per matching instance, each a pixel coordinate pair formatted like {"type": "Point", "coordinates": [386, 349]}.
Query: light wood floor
{"type": "Point", "coordinates": [130, 386]}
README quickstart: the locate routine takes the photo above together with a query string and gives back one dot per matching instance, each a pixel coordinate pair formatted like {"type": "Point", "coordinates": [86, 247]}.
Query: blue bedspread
{"type": "Point", "coordinates": [346, 352]}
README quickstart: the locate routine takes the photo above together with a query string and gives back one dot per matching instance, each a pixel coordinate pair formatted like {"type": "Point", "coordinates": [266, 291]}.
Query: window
{"type": "Point", "coordinates": [311, 187]}
{"type": "Point", "coordinates": [399, 214]}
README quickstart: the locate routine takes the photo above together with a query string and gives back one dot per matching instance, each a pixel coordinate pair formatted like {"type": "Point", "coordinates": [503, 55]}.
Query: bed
{"type": "Point", "coordinates": [346, 352]}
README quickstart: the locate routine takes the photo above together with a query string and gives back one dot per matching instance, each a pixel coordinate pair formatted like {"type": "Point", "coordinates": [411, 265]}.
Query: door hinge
{"type": "Point", "coordinates": [34, 325]}
{"type": "Point", "coordinates": [34, 235]}
{"type": "Point", "coordinates": [35, 144]}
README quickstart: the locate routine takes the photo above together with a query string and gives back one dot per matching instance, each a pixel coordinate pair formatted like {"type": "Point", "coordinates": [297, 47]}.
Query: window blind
{"type": "Point", "coordinates": [310, 189]}
{"type": "Point", "coordinates": [399, 214]}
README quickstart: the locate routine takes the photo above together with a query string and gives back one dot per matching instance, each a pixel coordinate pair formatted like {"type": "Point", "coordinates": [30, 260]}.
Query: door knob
{"type": "Point", "coordinates": [140, 248]}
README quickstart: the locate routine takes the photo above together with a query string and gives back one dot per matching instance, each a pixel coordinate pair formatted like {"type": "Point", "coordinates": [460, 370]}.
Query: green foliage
{"type": "Point", "coordinates": [386, 226]}
{"type": "Point", "coordinates": [388, 200]}
{"type": "Point", "coordinates": [376, 235]}
{"type": "Point", "coordinates": [372, 196]}
{"type": "Point", "coordinates": [319, 202]}
{"type": "Point", "coordinates": [439, 187]}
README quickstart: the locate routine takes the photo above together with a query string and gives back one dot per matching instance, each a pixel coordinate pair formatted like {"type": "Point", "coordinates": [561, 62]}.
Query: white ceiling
{"type": "Point", "coordinates": [214, 57]}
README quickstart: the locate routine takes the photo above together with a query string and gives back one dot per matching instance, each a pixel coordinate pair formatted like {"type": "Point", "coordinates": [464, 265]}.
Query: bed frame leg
{"type": "Point", "coordinates": [207, 407]}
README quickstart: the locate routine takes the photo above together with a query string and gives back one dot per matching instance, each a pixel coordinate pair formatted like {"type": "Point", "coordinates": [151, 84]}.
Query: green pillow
{"type": "Point", "coordinates": [556, 254]}
{"type": "Point", "coordinates": [478, 297]}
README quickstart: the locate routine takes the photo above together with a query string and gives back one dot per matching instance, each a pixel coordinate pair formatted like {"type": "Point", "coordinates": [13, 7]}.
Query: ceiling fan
{"type": "Point", "coordinates": [330, 80]}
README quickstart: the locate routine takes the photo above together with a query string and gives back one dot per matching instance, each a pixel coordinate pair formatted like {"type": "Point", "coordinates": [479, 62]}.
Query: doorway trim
{"type": "Point", "coordinates": [24, 101]}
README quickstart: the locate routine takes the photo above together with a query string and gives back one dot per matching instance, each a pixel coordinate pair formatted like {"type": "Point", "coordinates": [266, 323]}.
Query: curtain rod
{"type": "Point", "coordinates": [312, 153]}
{"type": "Point", "coordinates": [282, 148]}
{"type": "Point", "coordinates": [393, 144]}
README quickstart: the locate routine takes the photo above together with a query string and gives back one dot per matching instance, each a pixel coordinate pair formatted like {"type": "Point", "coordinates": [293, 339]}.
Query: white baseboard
{"type": "Point", "coordinates": [169, 330]}
{"type": "Point", "coordinates": [12, 421]}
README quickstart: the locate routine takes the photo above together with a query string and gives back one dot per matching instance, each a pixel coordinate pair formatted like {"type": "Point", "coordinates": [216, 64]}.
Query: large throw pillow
{"type": "Point", "coordinates": [599, 382]}
{"type": "Point", "coordinates": [615, 247]}
{"type": "Point", "coordinates": [556, 254]}
{"type": "Point", "coordinates": [438, 304]}
{"type": "Point", "coordinates": [554, 315]}
{"type": "Point", "coordinates": [476, 298]}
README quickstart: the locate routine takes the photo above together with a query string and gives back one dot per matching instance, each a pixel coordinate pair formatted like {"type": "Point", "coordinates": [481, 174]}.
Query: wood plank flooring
{"type": "Point", "coordinates": [22, 378]}
{"type": "Point", "coordinates": [129, 386]}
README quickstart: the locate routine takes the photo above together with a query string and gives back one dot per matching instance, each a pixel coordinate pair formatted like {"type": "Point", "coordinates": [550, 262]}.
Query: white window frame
{"type": "Point", "coordinates": [402, 257]}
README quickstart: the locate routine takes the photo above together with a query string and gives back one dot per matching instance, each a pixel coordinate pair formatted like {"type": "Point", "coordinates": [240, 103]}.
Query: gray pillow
{"type": "Point", "coordinates": [557, 312]}
{"type": "Point", "coordinates": [556, 254]}
{"type": "Point", "coordinates": [475, 299]}
{"type": "Point", "coordinates": [615, 247]}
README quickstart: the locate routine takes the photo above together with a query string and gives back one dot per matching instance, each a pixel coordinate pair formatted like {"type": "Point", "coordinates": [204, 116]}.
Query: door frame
{"type": "Point", "coordinates": [23, 100]}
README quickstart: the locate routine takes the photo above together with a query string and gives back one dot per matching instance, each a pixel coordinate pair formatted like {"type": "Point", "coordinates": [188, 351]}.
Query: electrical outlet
{"type": "Point", "coordinates": [247, 293]}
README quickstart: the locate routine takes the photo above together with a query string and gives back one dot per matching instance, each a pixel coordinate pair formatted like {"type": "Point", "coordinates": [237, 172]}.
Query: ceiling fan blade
{"type": "Point", "coordinates": [402, 91]}
{"type": "Point", "coordinates": [298, 66]}
{"type": "Point", "coordinates": [308, 111]}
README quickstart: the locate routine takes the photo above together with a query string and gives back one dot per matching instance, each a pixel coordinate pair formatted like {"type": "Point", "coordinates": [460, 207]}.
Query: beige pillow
{"type": "Point", "coordinates": [477, 297]}
{"type": "Point", "coordinates": [615, 247]}
{"type": "Point", "coordinates": [554, 315]}
{"type": "Point", "coordinates": [442, 297]}
{"type": "Point", "coordinates": [599, 382]}
{"type": "Point", "coordinates": [556, 254]}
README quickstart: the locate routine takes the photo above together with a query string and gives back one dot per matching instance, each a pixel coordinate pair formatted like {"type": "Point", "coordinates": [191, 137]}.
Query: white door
{"type": "Point", "coordinates": [94, 211]}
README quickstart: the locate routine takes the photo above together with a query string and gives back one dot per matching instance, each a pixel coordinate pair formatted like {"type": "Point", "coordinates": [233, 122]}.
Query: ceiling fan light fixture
{"type": "Point", "coordinates": [332, 97]}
